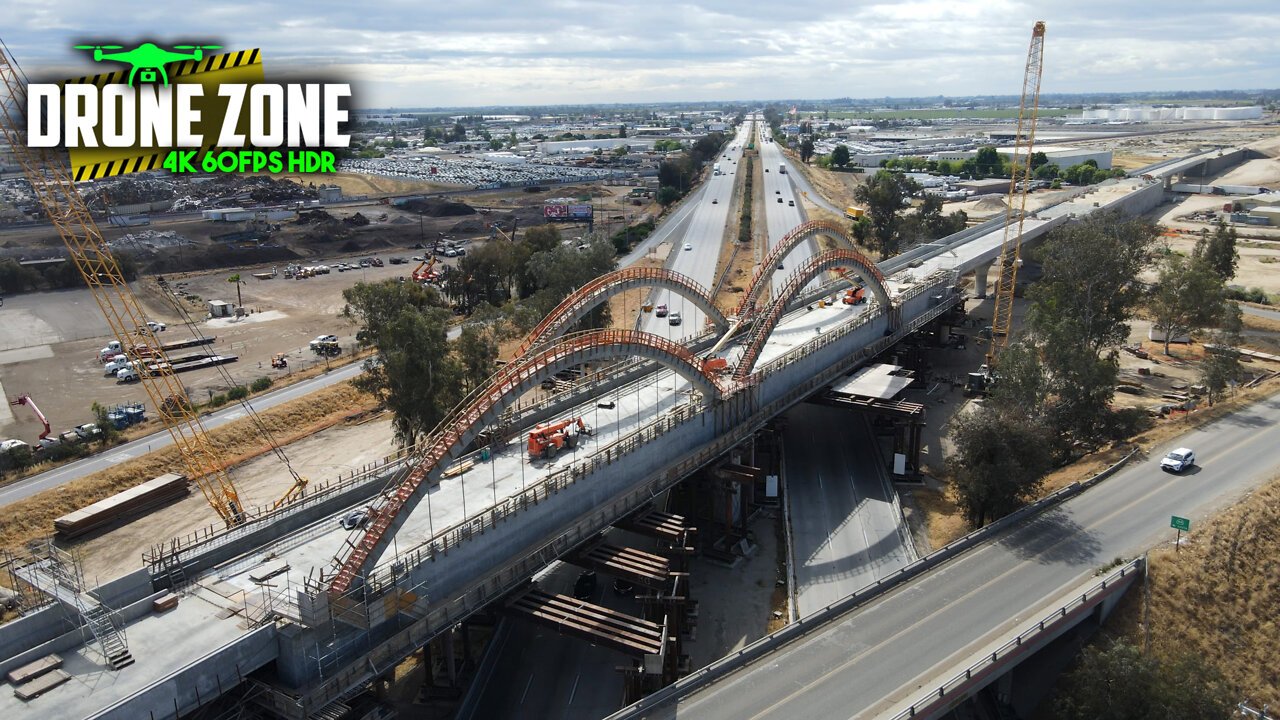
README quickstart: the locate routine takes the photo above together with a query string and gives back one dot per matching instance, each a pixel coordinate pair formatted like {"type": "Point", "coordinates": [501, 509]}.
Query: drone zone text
{"type": "Point", "coordinates": [150, 116]}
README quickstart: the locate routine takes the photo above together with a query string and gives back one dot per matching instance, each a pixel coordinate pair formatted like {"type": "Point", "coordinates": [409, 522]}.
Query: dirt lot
{"type": "Point", "coordinates": [321, 456]}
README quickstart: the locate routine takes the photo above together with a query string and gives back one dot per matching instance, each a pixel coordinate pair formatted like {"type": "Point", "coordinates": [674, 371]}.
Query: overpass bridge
{"type": "Point", "coordinates": [466, 518]}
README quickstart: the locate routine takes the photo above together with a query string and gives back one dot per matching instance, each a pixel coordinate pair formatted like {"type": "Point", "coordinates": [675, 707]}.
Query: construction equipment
{"type": "Point", "coordinates": [425, 273]}
{"type": "Point", "coordinates": [279, 361]}
{"type": "Point", "coordinates": [545, 441]}
{"type": "Point", "coordinates": [495, 229]}
{"type": "Point", "coordinates": [1019, 183]}
{"type": "Point", "coordinates": [44, 436]}
{"type": "Point", "coordinates": [854, 296]}
{"type": "Point", "coordinates": [52, 184]}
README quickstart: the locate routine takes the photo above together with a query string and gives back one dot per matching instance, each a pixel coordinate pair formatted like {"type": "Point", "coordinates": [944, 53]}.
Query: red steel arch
{"type": "Point", "coordinates": [587, 297]}
{"type": "Point", "coordinates": [483, 406]}
{"type": "Point", "coordinates": [764, 325]}
{"type": "Point", "coordinates": [870, 273]}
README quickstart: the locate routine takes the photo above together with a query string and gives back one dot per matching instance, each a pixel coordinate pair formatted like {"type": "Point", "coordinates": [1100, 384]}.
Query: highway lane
{"type": "Point", "coordinates": [113, 456]}
{"type": "Point", "coordinates": [782, 209]}
{"type": "Point", "coordinates": [846, 528]}
{"type": "Point", "coordinates": [703, 236]}
{"type": "Point", "coordinates": [1260, 312]}
{"type": "Point", "coordinates": [875, 659]}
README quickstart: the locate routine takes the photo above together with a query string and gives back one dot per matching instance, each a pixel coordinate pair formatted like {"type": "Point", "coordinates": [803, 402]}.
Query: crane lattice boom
{"type": "Point", "coordinates": [51, 182]}
{"type": "Point", "coordinates": [1011, 248]}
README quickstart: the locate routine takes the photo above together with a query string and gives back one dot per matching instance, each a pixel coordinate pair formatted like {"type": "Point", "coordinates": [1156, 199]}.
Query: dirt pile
{"type": "Point", "coordinates": [434, 207]}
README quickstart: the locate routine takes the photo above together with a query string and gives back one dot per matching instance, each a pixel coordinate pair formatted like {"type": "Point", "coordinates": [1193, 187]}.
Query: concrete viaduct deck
{"type": "Point", "coordinates": [475, 540]}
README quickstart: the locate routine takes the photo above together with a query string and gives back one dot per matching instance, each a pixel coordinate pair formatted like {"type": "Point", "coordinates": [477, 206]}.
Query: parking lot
{"type": "Point", "coordinates": [49, 342]}
{"type": "Point", "coordinates": [473, 172]}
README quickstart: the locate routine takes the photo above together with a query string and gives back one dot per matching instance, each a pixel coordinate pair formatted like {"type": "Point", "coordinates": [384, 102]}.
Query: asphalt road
{"type": "Point", "coordinates": [782, 208]}
{"type": "Point", "coordinates": [846, 528]}
{"type": "Point", "coordinates": [1260, 312]}
{"type": "Point", "coordinates": [872, 658]}
{"type": "Point", "coordinates": [66, 473]}
{"type": "Point", "coordinates": [703, 234]}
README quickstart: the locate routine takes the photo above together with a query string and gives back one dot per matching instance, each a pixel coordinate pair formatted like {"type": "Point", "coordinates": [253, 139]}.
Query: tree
{"type": "Point", "coordinates": [1187, 296]}
{"type": "Point", "coordinates": [987, 161]}
{"type": "Point", "coordinates": [1119, 682]}
{"type": "Point", "coordinates": [235, 280]}
{"type": "Point", "coordinates": [413, 372]}
{"type": "Point", "coordinates": [840, 156]}
{"type": "Point", "coordinates": [622, 131]}
{"type": "Point", "coordinates": [459, 132]}
{"type": "Point", "coordinates": [884, 195]}
{"type": "Point", "coordinates": [1090, 285]}
{"type": "Point", "coordinates": [667, 195]}
{"type": "Point", "coordinates": [806, 150]}
{"type": "Point", "coordinates": [1221, 364]}
{"type": "Point", "coordinates": [476, 350]}
{"type": "Point", "coordinates": [998, 462]}
{"type": "Point", "coordinates": [1038, 159]}
{"type": "Point", "coordinates": [1218, 250]}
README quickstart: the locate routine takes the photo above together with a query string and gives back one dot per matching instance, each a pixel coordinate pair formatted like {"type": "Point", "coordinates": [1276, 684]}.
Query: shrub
{"type": "Point", "coordinates": [260, 384]}
{"type": "Point", "coordinates": [238, 392]}
{"type": "Point", "coordinates": [216, 400]}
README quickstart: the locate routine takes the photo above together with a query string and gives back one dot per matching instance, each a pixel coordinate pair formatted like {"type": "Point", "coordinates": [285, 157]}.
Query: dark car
{"type": "Point", "coordinates": [585, 585]}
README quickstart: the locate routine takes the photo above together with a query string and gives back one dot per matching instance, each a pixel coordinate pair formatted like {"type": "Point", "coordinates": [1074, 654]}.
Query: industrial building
{"type": "Point", "coordinates": [1154, 114]}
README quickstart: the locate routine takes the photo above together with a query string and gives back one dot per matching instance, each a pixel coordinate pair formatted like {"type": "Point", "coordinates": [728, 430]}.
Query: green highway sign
{"type": "Point", "coordinates": [1178, 523]}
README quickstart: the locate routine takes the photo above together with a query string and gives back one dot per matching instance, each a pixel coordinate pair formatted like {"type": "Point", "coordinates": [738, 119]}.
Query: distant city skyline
{"type": "Point", "coordinates": [582, 52]}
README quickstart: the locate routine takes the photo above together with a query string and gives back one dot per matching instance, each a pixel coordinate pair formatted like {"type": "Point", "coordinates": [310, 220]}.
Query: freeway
{"type": "Point", "coordinates": [53, 478]}
{"type": "Point", "coordinates": [703, 236]}
{"type": "Point", "coordinates": [781, 207]}
{"type": "Point", "coordinates": [872, 662]}
{"type": "Point", "coordinates": [843, 511]}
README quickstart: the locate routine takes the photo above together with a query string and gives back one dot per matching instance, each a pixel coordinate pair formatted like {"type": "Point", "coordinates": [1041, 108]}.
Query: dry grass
{"type": "Point", "coordinates": [941, 515]}
{"type": "Point", "coordinates": [1254, 322]}
{"type": "Point", "coordinates": [238, 441]}
{"type": "Point", "coordinates": [1217, 596]}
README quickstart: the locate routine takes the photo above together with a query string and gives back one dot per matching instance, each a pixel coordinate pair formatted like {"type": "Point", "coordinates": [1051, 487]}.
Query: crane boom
{"type": "Point", "coordinates": [1010, 249]}
{"type": "Point", "coordinates": [52, 184]}
{"type": "Point", "coordinates": [26, 400]}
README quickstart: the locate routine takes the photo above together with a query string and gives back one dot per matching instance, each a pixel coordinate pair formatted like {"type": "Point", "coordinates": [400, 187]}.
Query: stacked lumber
{"type": "Point", "coordinates": [133, 501]}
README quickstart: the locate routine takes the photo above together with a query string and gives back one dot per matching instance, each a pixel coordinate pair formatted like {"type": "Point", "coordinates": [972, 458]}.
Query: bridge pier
{"type": "Point", "coordinates": [980, 279]}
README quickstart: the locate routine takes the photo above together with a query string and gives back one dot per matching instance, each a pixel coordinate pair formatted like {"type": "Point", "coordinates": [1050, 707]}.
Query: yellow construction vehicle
{"type": "Point", "coordinates": [1019, 183]}
{"type": "Point", "coordinates": [53, 185]}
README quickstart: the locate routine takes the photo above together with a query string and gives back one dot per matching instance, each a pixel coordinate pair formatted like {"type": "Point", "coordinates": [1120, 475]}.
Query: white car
{"type": "Point", "coordinates": [323, 339]}
{"type": "Point", "coordinates": [1178, 460]}
{"type": "Point", "coordinates": [688, 246]}
{"type": "Point", "coordinates": [157, 326]}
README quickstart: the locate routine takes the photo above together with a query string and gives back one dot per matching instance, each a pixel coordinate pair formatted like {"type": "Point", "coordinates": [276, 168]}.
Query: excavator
{"type": "Point", "coordinates": [495, 229]}
{"type": "Point", "coordinates": [44, 440]}
{"type": "Point", "coordinates": [545, 441]}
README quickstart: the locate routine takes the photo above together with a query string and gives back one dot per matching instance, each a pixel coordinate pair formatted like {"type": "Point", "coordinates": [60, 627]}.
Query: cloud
{"type": "Point", "coordinates": [487, 52]}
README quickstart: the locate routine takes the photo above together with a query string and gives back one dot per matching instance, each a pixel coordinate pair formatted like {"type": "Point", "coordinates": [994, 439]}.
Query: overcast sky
{"type": "Point", "coordinates": [485, 52]}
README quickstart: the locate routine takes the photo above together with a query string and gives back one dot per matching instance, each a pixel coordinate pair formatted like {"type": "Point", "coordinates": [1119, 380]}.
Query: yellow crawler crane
{"type": "Point", "coordinates": [51, 181]}
{"type": "Point", "coordinates": [1002, 319]}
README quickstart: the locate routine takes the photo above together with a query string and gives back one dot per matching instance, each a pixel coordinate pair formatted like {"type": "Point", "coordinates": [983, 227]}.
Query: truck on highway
{"type": "Point", "coordinates": [716, 169]}
{"type": "Point", "coordinates": [782, 168]}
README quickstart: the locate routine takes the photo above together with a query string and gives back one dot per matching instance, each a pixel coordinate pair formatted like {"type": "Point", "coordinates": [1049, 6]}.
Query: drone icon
{"type": "Point", "coordinates": [148, 58]}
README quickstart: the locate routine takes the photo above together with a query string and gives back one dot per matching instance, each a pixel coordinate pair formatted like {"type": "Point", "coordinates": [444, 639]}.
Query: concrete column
{"type": "Point", "coordinates": [980, 280]}
{"type": "Point", "coordinates": [450, 663]}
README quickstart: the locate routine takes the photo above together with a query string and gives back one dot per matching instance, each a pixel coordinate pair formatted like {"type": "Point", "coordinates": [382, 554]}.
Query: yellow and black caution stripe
{"type": "Point", "coordinates": [243, 66]}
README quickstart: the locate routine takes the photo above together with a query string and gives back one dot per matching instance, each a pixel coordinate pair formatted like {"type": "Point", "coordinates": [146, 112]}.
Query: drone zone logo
{"type": "Point", "coordinates": [186, 111]}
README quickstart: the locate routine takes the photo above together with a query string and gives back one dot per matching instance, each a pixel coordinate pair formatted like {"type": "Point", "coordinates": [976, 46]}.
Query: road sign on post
{"type": "Point", "coordinates": [1179, 524]}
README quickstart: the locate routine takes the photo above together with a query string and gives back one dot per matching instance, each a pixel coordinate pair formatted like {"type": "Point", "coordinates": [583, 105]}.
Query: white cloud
{"type": "Point", "coordinates": [491, 52]}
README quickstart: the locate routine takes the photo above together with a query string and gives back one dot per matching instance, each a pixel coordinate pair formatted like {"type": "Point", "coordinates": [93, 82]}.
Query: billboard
{"type": "Point", "coordinates": [567, 212]}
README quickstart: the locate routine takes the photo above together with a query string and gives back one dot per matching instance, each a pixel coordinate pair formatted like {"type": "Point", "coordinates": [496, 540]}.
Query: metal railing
{"type": "Point", "coordinates": [945, 693]}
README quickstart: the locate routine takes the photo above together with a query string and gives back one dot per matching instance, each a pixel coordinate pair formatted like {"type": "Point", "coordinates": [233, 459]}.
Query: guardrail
{"type": "Point", "coordinates": [820, 618]}
{"type": "Point", "coordinates": [945, 693]}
